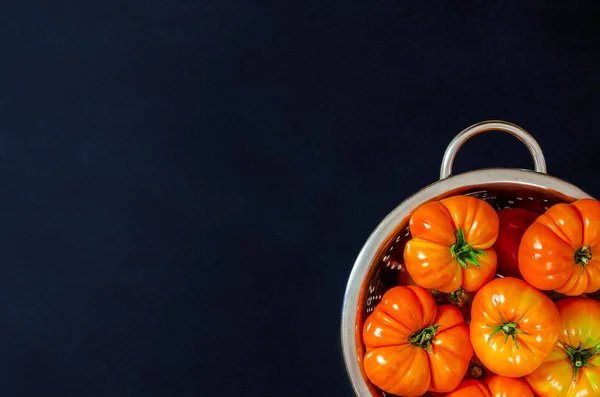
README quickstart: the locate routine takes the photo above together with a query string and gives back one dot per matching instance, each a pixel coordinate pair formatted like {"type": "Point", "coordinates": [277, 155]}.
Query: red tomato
{"type": "Point", "coordinates": [513, 224]}
{"type": "Point", "coordinates": [413, 345]}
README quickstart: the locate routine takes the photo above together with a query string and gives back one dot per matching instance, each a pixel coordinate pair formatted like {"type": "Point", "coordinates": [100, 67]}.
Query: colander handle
{"type": "Point", "coordinates": [460, 139]}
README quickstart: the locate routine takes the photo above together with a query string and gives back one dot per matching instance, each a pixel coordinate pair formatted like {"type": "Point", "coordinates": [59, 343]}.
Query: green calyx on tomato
{"type": "Point", "coordinates": [423, 337]}
{"type": "Point", "coordinates": [579, 358]}
{"type": "Point", "coordinates": [463, 252]}
{"type": "Point", "coordinates": [509, 329]}
{"type": "Point", "coordinates": [583, 256]}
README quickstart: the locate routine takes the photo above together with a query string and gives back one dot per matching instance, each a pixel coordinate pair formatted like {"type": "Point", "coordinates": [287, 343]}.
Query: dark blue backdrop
{"type": "Point", "coordinates": [185, 185]}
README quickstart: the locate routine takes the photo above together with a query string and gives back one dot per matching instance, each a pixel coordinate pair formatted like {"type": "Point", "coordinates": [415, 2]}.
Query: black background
{"type": "Point", "coordinates": [185, 185]}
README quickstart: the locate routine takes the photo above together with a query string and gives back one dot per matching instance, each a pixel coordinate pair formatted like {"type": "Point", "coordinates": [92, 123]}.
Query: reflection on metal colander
{"type": "Point", "coordinates": [379, 265]}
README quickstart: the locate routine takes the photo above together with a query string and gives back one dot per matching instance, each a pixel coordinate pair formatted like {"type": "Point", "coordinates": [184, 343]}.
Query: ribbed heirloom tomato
{"type": "Point", "coordinates": [561, 250]}
{"type": "Point", "coordinates": [494, 386]}
{"type": "Point", "coordinates": [514, 327]}
{"type": "Point", "coordinates": [413, 346]}
{"type": "Point", "coordinates": [451, 244]}
{"type": "Point", "coordinates": [573, 367]}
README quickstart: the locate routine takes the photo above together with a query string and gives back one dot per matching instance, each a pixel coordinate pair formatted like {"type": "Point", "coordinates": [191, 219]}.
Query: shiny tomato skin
{"type": "Point", "coordinates": [513, 327]}
{"type": "Point", "coordinates": [502, 386]}
{"type": "Point", "coordinates": [494, 386]}
{"type": "Point", "coordinates": [470, 388]}
{"type": "Point", "coordinates": [513, 224]}
{"type": "Point", "coordinates": [451, 245]}
{"type": "Point", "coordinates": [580, 328]}
{"type": "Point", "coordinates": [399, 365]}
{"type": "Point", "coordinates": [560, 251]}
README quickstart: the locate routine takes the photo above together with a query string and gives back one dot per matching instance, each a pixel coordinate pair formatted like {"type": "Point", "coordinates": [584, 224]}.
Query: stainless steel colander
{"type": "Point", "coordinates": [379, 262]}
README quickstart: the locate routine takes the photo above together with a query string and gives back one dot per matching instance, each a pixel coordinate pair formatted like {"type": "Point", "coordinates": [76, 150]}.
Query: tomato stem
{"type": "Point", "coordinates": [509, 329]}
{"type": "Point", "coordinates": [476, 370]}
{"type": "Point", "coordinates": [583, 256]}
{"type": "Point", "coordinates": [463, 252]}
{"type": "Point", "coordinates": [459, 297]}
{"type": "Point", "coordinates": [423, 337]}
{"type": "Point", "coordinates": [579, 358]}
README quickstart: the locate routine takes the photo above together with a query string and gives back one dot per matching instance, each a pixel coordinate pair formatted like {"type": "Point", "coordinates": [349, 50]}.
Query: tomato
{"type": "Point", "coordinates": [461, 298]}
{"type": "Point", "coordinates": [470, 388]}
{"type": "Point", "coordinates": [501, 386]}
{"type": "Point", "coordinates": [451, 244]}
{"type": "Point", "coordinates": [513, 326]}
{"type": "Point", "coordinates": [513, 223]}
{"type": "Point", "coordinates": [494, 386]}
{"type": "Point", "coordinates": [561, 250]}
{"type": "Point", "coordinates": [573, 367]}
{"type": "Point", "coordinates": [413, 346]}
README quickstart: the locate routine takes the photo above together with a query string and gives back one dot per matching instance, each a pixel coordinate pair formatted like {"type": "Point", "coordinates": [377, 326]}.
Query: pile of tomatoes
{"type": "Point", "coordinates": [491, 304]}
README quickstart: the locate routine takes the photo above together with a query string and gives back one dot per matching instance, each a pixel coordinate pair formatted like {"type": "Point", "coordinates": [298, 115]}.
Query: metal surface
{"type": "Point", "coordinates": [521, 134]}
{"type": "Point", "coordinates": [379, 261]}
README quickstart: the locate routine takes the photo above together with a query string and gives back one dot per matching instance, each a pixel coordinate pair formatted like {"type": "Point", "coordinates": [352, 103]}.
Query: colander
{"type": "Point", "coordinates": [379, 262]}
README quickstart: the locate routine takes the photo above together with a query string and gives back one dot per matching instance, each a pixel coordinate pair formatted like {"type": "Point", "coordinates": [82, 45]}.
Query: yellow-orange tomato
{"type": "Point", "coordinates": [573, 367]}
{"type": "Point", "coordinates": [494, 386]}
{"type": "Point", "coordinates": [561, 250]}
{"type": "Point", "coordinates": [514, 327]}
{"type": "Point", "coordinates": [413, 346]}
{"type": "Point", "coordinates": [451, 244]}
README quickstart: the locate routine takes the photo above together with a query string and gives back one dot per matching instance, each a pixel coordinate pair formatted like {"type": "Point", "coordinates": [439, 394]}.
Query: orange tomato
{"type": "Point", "coordinates": [501, 386]}
{"type": "Point", "coordinates": [451, 244]}
{"type": "Point", "coordinates": [413, 346]}
{"type": "Point", "coordinates": [573, 367]}
{"type": "Point", "coordinates": [494, 386]}
{"type": "Point", "coordinates": [561, 250]}
{"type": "Point", "coordinates": [470, 388]}
{"type": "Point", "coordinates": [513, 327]}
